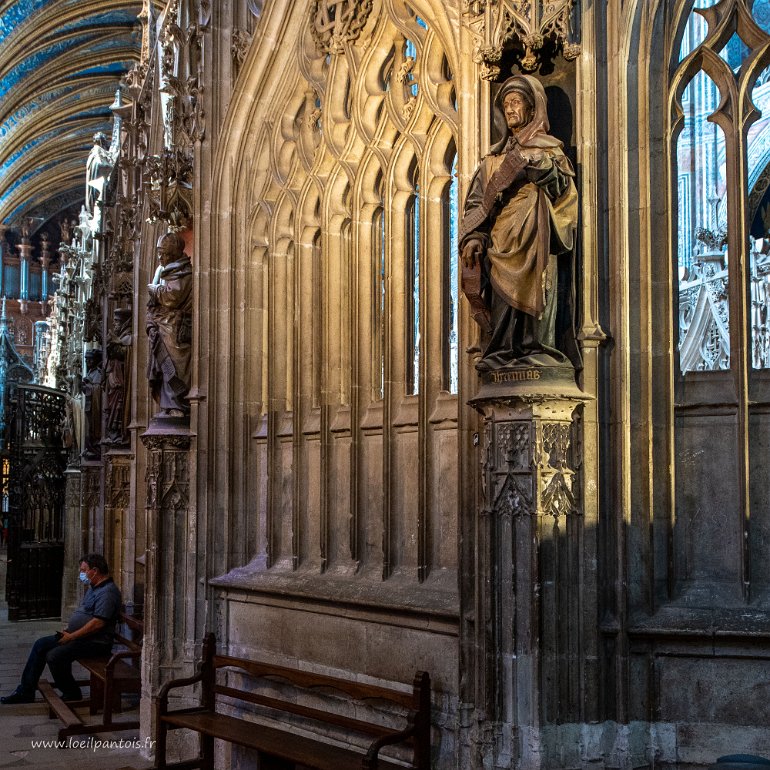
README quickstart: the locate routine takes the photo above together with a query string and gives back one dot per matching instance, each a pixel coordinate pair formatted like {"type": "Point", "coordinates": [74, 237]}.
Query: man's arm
{"type": "Point", "coordinates": [89, 628]}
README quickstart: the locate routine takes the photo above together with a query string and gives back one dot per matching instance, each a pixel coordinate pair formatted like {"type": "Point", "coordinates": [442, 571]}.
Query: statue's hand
{"type": "Point", "coordinates": [471, 252]}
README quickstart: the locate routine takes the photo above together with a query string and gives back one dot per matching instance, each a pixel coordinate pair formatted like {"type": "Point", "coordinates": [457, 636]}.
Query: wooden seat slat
{"type": "Point", "coordinates": [122, 671]}
{"type": "Point", "coordinates": [339, 720]}
{"type": "Point", "coordinates": [276, 742]}
{"type": "Point", "coordinates": [309, 679]}
{"type": "Point", "coordinates": [57, 705]}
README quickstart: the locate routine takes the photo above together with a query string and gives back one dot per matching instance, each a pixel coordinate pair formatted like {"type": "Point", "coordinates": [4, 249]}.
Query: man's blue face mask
{"type": "Point", "coordinates": [84, 578]}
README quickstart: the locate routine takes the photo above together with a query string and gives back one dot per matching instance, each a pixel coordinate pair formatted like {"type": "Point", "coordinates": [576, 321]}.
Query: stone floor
{"type": "Point", "coordinates": [28, 736]}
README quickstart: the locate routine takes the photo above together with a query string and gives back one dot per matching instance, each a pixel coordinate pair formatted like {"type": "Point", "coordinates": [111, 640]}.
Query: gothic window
{"type": "Point", "coordinates": [719, 162]}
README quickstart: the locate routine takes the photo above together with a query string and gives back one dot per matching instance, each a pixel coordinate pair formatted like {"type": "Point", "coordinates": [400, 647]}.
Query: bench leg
{"type": "Point", "coordinates": [96, 695]}
{"type": "Point", "coordinates": [207, 752]}
{"type": "Point", "coordinates": [108, 700]}
{"type": "Point", "coordinates": [160, 746]}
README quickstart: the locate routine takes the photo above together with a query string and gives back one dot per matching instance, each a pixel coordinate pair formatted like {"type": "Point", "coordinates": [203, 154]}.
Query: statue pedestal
{"type": "Point", "coordinates": [529, 565]}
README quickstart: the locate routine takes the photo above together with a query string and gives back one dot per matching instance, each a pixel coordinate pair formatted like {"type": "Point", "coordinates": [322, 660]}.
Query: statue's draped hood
{"type": "Point", "coordinates": [535, 133]}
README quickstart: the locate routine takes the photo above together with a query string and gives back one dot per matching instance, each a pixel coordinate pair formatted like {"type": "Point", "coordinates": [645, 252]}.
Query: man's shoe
{"type": "Point", "coordinates": [69, 697]}
{"type": "Point", "coordinates": [18, 696]}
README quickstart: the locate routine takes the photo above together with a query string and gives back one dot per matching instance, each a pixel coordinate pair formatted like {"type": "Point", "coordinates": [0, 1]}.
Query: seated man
{"type": "Point", "coordinates": [88, 634]}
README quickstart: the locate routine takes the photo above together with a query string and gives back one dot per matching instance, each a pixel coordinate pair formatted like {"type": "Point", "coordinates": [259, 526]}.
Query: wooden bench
{"type": "Point", "coordinates": [281, 695]}
{"type": "Point", "coordinates": [109, 678]}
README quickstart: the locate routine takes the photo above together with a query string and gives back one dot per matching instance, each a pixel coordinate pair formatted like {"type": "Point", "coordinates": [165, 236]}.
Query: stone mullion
{"type": "Point", "coordinates": [253, 343]}
{"type": "Point", "coordinates": [303, 392]}
{"type": "Point", "coordinates": [745, 437]}
{"type": "Point", "coordinates": [272, 373]}
{"type": "Point", "coordinates": [395, 346]}
{"type": "Point", "coordinates": [224, 404]}
{"type": "Point", "coordinates": [357, 257]}
{"type": "Point", "coordinates": [738, 229]}
{"type": "Point", "coordinates": [331, 251]}
{"type": "Point", "coordinates": [294, 391]}
{"type": "Point", "coordinates": [284, 407]}
{"type": "Point", "coordinates": [362, 265]}
{"type": "Point", "coordinates": [433, 295]}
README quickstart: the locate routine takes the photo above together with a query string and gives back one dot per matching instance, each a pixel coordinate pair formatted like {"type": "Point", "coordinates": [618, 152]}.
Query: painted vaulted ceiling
{"type": "Point", "coordinates": [60, 64]}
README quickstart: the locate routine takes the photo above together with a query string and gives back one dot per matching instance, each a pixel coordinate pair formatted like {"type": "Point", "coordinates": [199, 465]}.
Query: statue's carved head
{"type": "Point", "coordinates": [521, 108]}
{"type": "Point", "coordinates": [170, 248]}
{"type": "Point", "coordinates": [517, 110]}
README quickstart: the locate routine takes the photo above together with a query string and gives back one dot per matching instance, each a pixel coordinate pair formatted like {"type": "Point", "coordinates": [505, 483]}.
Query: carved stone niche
{"type": "Point", "coordinates": [529, 546]}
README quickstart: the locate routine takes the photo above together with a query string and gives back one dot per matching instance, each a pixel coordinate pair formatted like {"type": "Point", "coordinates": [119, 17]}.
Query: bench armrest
{"type": "Point", "coordinates": [172, 685]}
{"type": "Point", "coordinates": [371, 760]}
{"type": "Point", "coordinates": [122, 655]}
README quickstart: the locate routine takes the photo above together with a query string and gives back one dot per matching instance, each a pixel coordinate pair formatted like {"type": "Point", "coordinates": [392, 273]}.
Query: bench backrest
{"type": "Point", "coordinates": [416, 703]}
{"type": "Point", "coordinates": [131, 639]}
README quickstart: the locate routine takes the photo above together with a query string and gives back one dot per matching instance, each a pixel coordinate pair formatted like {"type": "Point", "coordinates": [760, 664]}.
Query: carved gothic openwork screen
{"type": "Point", "coordinates": [347, 203]}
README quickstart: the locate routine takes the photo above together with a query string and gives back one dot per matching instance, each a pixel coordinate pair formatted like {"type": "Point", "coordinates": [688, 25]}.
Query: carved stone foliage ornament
{"type": "Point", "coordinates": [241, 41]}
{"type": "Point", "coordinates": [168, 184]}
{"type": "Point", "coordinates": [528, 23]}
{"type": "Point", "coordinates": [336, 22]}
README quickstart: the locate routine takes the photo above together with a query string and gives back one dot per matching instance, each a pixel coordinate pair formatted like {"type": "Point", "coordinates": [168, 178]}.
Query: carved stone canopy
{"type": "Point", "coordinates": [530, 24]}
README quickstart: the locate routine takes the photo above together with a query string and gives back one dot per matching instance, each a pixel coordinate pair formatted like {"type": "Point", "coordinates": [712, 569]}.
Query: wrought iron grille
{"type": "Point", "coordinates": [35, 467]}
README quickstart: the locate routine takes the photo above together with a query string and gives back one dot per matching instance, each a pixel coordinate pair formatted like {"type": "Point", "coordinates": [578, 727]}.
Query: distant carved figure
{"type": "Point", "coordinates": [98, 167]}
{"type": "Point", "coordinates": [169, 327]}
{"type": "Point", "coordinates": [91, 388]}
{"type": "Point", "coordinates": [520, 213]}
{"type": "Point", "coordinates": [118, 365]}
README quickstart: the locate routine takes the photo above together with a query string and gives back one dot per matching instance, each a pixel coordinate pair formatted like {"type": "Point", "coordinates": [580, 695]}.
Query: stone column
{"type": "Point", "coordinates": [170, 573]}
{"type": "Point", "coordinates": [117, 498]}
{"type": "Point", "coordinates": [91, 514]}
{"type": "Point", "coordinates": [530, 579]}
{"type": "Point", "coordinates": [72, 590]}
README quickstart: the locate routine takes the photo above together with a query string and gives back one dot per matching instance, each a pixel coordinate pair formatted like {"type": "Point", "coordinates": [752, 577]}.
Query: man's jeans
{"type": "Point", "coordinates": [59, 658]}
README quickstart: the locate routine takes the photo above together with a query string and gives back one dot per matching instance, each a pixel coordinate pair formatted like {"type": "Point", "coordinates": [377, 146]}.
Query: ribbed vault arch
{"type": "Point", "coordinates": [60, 65]}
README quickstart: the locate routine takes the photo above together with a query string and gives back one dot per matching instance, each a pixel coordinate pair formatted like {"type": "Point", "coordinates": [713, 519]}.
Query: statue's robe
{"type": "Point", "coordinates": [169, 329]}
{"type": "Point", "coordinates": [532, 223]}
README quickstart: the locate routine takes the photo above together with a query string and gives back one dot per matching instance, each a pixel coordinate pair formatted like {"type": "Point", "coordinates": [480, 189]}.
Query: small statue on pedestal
{"type": "Point", "coordinates": [520, 213]}
{"type": "Point", "coordinates": [98, 168]}
{"type": "Point", "coordinates": [118, 365]}
{"type": "Point", "coordinates": [91, 388]}
{"type": "Point", "coordinates": [169, 328]}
